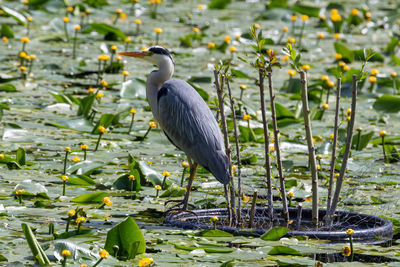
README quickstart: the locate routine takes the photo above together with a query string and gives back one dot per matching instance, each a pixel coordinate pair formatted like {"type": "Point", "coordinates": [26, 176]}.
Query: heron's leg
{"type": "Point", "coordinates": [193, 169]}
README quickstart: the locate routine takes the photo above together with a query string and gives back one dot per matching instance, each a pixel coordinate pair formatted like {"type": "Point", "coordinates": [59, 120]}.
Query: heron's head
{"type": "Point", "coordinates": [155, 54]}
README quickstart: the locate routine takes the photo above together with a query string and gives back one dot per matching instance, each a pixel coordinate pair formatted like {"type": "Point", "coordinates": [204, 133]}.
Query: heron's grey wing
{"type": "Point", "coordinates": [190, 125]}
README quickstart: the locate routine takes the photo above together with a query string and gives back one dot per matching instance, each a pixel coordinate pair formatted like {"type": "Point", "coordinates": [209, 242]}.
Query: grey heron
{"type": "Point", "coordinates": [184, 117]}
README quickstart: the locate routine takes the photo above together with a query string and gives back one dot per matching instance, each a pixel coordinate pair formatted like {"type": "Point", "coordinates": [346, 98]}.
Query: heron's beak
{"type": "Point", "coordinates": [140, 54]}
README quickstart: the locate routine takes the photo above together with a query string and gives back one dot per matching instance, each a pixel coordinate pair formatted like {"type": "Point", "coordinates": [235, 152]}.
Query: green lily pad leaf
{"type": "Point", "coordinates": [80, 124]}
{"type": "Point", "coordinates": [81, 180]}
{"type": "Point", "coordinates": [202, 79]}
{"type": "Point", "coordinates": [85, 106]}
{"type": "Point", "coordinates": [94, 197]}
{"type": "Point", "coordinates": [295, 262]}
{"type": "Point", "coordinates": [77, 252]}
{"type": "Point", "coordinates": [282, 112]}
{"type": "Point", "coordinates": [32, 188]}
{"type": "Point", "coordinates": [364, 140]}
{"type": "Point", "coordinates": [124, 183]}
{"type": "Point", "coordinates": [347, 54]}
{"type": "Point", "coordinates": [388, 103]}
{"type": "Point", "coordinates": [206, 249]}
{"type": "Point", "coordinates": [65, 98]}
{"type": "Point", "coordinates": [152, 176]}
{"type": "Point", "coordinates": [134, 89]}
{"type": "Point", "coordinates": [16, 15]}
{"type": "Point", "coordinates": [105, 121]}
{"type": "Point", "coordinates": [283, 250]}
{"type": "Point", "coordinates": [84, 167]}
{"type": "Point", "coordinates": [240, 74]}
{"type": "Point", "coordinates": [289, 183]}
{"type": "Point", "coordinates": [82, 232]}
{"type": "Point", "coordinates": [6, 31]}
{"type": "Point", "coordinates": [21, 156]}
{"type": "Point", "coordinates": [308, 10]}
{"type": "Point", "coordinates": [230, 263]}
{"type": "Point", "coordinates": [106, 30]}
{"type": "Point", "coordinates": [215, 233]}
{"type": "Point", "coordinates": [38, 253]}
{"type": "Point", "coordinates": [275, 233]}
{"type": "Point", "coordinates": [8, 87]}
{"type": "Point", "coordinates": [2, 258]}
{"type": "Point", "coordinates": [218, 4]}
{"type": "Point", "coordinates": [249, 160]}
{"type": "Point", "coordinates": [96, 3]}
{"type": "Point", "coordinates": [128, 237]}
{"type": "Point", "coordinates": [174, 191]}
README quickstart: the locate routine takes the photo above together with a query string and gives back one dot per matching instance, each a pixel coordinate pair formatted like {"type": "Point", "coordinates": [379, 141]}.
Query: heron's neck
{"type": "Point", "coordinates": [155, 80]}
{"type": "Point", "coordinates": [158, 77]}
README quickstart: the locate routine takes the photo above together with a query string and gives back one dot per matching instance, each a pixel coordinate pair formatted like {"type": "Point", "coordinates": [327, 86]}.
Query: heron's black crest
{"type": "Point", "coordinates": [162, 92]}
{"type": "Point", "coordinates": [161, 51]}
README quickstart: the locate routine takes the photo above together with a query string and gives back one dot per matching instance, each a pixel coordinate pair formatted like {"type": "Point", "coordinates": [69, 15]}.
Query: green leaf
{"type": "Point", "coordinates": [94, 197]}
{"type": "Point", "coordinates": [364, 140]}
{"type": "Point", "coordinates": [8, 87]}
{"type": "Point", "coordinates": [360, 56]}
{"type": "Point", "coordinates": [274, 234]}
{"type": "Point", "coordinates": [282, 112]}
{"type": "Point", "coordinates": [347, 54]}
{"type": "Point", "coordinates": [128, 237]}
{"type": "Point", "coordinates": [73, 233]}
{"type": "Point", "coordinates": [174, 191]}
{"type": "Point", "coordinates": [85, 167]}
{"type": "Point", "coordinates": [215, 233]}
{"type": "Point", "coordinates": [77, 252]}
{"type": "Point", "coordinates": [206, 249]}
{"type": "Point", "coordinates": [16, 15]}
{"type": "Point", "coordinates": [21, 156]}
{"type": "Point", "coordinates": [123, 182]}
{"type": "Point", "coordinates": [134, 88]}
{"type": "Point", "coordinates": [218, 4]}
{"type": "Point", "coordinates": [308, 10]}
{"type": "Point", "coordinates": [230, 263]}
{"type": "Point", "coordinates": [283, 250]}
{"type": "Point", "coordinates": [2, 258]}
{"type": "Point", "coordinates": [107, 29]}
{"type": "Point", "coordinates": [86, 105]}
{"type": "Point", "coordinates": [240, 74]}
{"type": "Point", "coordinates": [38, 253]}
{"type": "Point", "coordinates": [105, 121]}
{"type": "Point", "coordinates": [81, 180]}
{"type": "Point", "coordinates": [96, 3]}
{"type": "Point", "coordinates": [388, 103]}
{"type": "Point", "coordinates": [200, 79]}
{"type": "Point", "coordinates": [80, 124]}
{"type": "Point", "coordinates": [6, 31]}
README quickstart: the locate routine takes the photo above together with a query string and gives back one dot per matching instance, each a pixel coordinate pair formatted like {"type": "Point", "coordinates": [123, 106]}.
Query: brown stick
{"type": "Point", "coordinates": [334, 144]}
{"type": "Point", "coordinates": [285, 210]}
{"type": "Point", "coordinates": [253, 209]}
{"type": "Point", "coordinates": [266, 146]}
{"type": "Point", "coordinates": [346, 154]}
{"type": "Point", "coordinates": [239, 173]}
{"type": "Point", "coordinates": [311, 148]}
{"type": "Point", "coordinates": [220, 91]}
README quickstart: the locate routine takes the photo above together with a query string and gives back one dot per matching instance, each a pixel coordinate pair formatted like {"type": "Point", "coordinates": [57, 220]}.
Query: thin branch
{"type": "Point", "coordinates": [334, 144]}
{"type": "Point", "coordinates": [266, 146]}
{"type": "Point", "coordinates": [253, 209]}
{"type": "Point", "coordinates": [235, 131]}
{"type": "Point", "coordinates": [346, 154]}
{"type": "Point", "coordinates": [285, 210]}
{"type": "Point", "coordinates": [219, 87]}
{"type": "Point", "coordinates": [311, 148]}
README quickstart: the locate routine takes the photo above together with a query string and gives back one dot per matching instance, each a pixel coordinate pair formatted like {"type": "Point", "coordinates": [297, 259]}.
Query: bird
{"type": "Point", "coordinates": [184, 117]}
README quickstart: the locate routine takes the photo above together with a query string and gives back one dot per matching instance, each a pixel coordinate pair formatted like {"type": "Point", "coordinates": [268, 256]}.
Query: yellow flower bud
{"type": "Point", "coordinates": [158, 30]}
{"type": "Point", "coordinates": [104, 254]}
{"type": "Point", "coordinates": [65, 253]}
{"type": "Point", "coordinates": [383, 133]}
{"type": "Point", "coordinates": [64, 178]}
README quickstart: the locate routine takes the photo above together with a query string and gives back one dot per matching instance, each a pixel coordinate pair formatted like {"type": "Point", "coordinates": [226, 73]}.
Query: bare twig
{"type": "Point", "coordinates": [311, 148]}
{"type": "Point", "coordinates": [334, 144]}
{"type": "Point", "coordinates": [299, 216]}
{"type": "Point", "coordinates": [346, 154]}
{"type": "Point", "coordinates": [253, 209]}
{"type": "Point", "coordinates": [266, 145]}
{"type": "Point", "coordinates": [285, 210]}
{"type": "Point", "coordinates": [219, 86]}
{"type": "Point", "coordinates": [235, 131]}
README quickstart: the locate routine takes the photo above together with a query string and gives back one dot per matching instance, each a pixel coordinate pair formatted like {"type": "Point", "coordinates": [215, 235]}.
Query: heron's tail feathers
{"type": "Point", "coordinates": [219, 167]}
